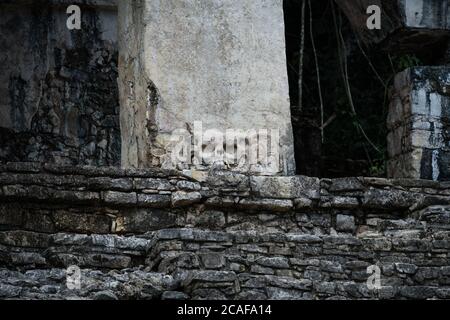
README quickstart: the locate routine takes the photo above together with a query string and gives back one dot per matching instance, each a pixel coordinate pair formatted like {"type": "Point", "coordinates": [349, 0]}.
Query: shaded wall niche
{"type": "Point", "coordinates": [418, 123]}
{"type": "Point", "coordinates": [354, 141]}
{"type": "Point", "coordinates": [58, 87]}
{"type": "Point", "coordinates": [358, 69]}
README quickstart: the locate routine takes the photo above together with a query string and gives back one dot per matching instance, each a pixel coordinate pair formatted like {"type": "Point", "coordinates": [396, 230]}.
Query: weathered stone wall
{"type": "Point", "coordinates": [139, 234]}
{"type": "Point", "coordinates": [419, 124]}
{"type": "Point", "coordinates": [221, 63]}
{"type": "Point", "coordinates": [58, 88]}
{"type": "Point", "coordinates": [431, 14]}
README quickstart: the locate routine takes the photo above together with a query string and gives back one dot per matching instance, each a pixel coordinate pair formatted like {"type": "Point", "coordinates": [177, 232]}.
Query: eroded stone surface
{"type": "Point", "coordinates": [211, 61]}
{"type": "Point", "coordinates": [252, 247]}
{"type": "Point", "coordinates": [418, 123]}
{"type": "Point", "coordinates": [58, 88]}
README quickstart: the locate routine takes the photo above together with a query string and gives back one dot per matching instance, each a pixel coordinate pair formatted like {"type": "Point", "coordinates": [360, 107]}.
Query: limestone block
{"type": "Point", "coordinates": [182, 198]}
{"type": "Point", "coordinates": [220, 63]}
{"type": "Point", "coordinates": [286, 187]}
{"type": "Point", "coordinates": [426, 13]}
{"type": "Point", "coordinates": [345, 223]}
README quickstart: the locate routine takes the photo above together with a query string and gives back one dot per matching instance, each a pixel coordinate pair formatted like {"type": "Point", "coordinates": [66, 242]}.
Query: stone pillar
{"type": "Point", "coordinates": [217, 63]}
{"type": "Point", "coordinates": [419, 124]}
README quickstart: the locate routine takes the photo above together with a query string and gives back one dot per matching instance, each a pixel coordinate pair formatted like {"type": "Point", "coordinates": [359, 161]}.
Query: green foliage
{"type": "Point", "coordinates": [378, 168]}
{"type": "Point", "coordinates": [406, 61]}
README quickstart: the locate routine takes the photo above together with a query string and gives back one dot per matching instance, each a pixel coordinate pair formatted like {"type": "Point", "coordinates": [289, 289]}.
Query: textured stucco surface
{"type": "Point", "coordinates": [219, 62]}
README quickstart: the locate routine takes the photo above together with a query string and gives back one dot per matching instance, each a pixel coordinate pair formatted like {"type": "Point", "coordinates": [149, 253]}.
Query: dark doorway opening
{"type": "Point", "coordinates": [345, 135]}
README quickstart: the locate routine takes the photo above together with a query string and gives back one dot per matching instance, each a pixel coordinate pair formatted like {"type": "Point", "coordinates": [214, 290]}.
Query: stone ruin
{"type": "Point", "coordinates": [418, 141]}
{"type": "Point", "coordinates": [59, 91]}
{"type": "Point", "coordinates": [418, 123]}
{"type": "Point", "coordinates": [201, 61]}
{"type": "Point", "coordinates": [151, 230]}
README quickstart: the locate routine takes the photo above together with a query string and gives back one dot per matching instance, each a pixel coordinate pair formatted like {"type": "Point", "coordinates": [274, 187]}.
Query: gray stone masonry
{"type": "Point", "coordinates": [156, 234]}
{"type": "Point", "coordinates": [419, 124]}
